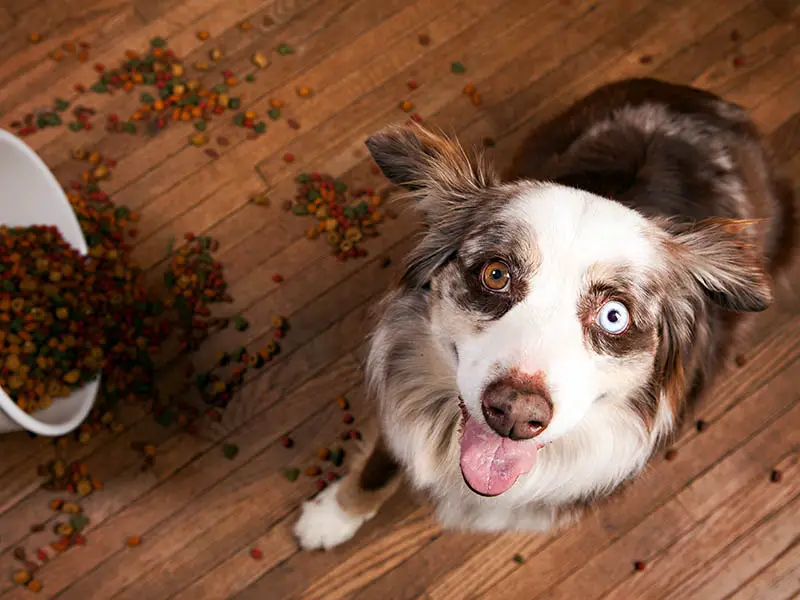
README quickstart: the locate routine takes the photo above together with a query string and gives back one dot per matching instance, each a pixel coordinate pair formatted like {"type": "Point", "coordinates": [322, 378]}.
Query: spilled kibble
{"type": "Point", "coordinates": [230, 451]}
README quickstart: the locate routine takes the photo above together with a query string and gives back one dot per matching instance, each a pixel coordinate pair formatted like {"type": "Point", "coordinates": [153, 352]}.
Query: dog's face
{"type": "Point", "coordinates": [555, 301]}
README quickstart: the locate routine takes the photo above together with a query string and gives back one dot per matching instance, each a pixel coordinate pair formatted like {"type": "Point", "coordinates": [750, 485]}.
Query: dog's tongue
{"type": "Point", "coordinates": [490, 463]}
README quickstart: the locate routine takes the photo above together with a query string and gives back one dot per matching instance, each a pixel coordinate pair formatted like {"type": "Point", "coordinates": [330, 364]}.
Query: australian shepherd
{"type": "Point", "coordinates": [553, 326]}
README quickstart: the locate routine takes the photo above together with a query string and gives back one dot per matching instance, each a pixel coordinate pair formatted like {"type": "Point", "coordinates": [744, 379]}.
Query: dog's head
{"type": "Point", "coordinates": [555, 301]}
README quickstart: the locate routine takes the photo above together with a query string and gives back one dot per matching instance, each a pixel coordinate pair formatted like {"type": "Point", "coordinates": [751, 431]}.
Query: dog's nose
{"type": "Point", "coordinates": [517, 410]}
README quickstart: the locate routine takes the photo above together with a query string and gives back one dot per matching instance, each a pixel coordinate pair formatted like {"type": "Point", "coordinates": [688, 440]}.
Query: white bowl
{"type": "Point", "coordinates": [30, 195]}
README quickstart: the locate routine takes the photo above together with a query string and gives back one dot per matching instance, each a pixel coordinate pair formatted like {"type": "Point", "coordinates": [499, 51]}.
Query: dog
{"type": "Point", "coordinates": [553, 327]}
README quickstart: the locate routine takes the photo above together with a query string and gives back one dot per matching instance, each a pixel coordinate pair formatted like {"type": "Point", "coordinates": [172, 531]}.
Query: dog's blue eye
{"type": "Point", "coordinates": [613, 317]}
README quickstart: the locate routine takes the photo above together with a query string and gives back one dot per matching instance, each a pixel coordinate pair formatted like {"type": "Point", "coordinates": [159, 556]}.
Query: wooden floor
{"type": "Point", "coordinates": [708, 524]}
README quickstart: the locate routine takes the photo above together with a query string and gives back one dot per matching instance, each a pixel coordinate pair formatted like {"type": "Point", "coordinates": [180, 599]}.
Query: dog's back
{"type": "Point", "coordinates": [669, 151]}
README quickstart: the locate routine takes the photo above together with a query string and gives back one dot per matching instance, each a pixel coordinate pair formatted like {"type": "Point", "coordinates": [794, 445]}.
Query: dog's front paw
{"type": "Point", "coordinates": [323, 523]}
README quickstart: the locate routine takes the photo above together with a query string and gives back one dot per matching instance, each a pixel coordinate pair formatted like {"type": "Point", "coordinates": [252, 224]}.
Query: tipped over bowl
{"type": "Point", "coordinates": [30, 195]}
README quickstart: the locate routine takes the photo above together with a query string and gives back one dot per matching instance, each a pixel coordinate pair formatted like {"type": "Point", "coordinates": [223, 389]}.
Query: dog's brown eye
{"type": "Point", "coordinates": [496, 276]}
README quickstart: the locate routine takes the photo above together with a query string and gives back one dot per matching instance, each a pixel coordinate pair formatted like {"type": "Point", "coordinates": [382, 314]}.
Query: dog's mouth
{"type": "Point", "coordinates": [492, 464]}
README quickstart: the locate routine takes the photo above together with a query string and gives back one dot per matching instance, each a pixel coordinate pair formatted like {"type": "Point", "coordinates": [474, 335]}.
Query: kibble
{"type": "Point", "coordinates": [344, 217]}
{"type": "Point", "coordinates": [230, 451]}
{"type": "Point", "coordinates": [312, 471]}
{"type": "Point", "coordinates": [133, 541]}
{"type": "Point", "coordinates": [775, 476]}
{"type": "Point", "coordinates": [670, 454]}
{"type": "Point", "coordinates": [55, 341]}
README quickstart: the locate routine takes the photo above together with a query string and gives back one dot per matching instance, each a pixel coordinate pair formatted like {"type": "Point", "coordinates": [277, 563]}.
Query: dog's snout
{"type": "Point", "coordinates": [517, 409]}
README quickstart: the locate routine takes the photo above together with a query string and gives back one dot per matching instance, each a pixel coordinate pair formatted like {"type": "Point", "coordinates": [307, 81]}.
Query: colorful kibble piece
{"type": "Point", "coordinates": [35, 586]}
{"type": "Point", "coordinates": [671, 454]}
{"type": "Point", "coordinates": [323, 453]}
{"type": "Point", "coordinates": [304, 92]}
{"type": "Point", "coordinates": [424, 39]}
{"type": "Point", "coordinates": [291, 473]}
{"type": "Point", "coordinates": [259, 60]}
{"type": "Point", "coordinates": [639, 565]}
{"type": "Point", "coordinates": [230, 451]}
{"type": "Point", "coordinates": [337, 456]}
{"type": "Point", "coordinates": [775, 476]}
{"type": "Point", "coordinates": [240, 323]}
{"type": "Point", "coordinates": [312, 471]}
{"type": "Point", "coordinates": [245, 26]}
{"type": "Point", "coordinates": [320, 485]}
{"type": "Point", "coordinates": [22, 576]}
{"type": "Point", "coordinates": [518, 559]}
{"type": "Point", "coordinates": [342, 402]}
{"type": "Point", "coordinates": [34, 37]}
{"type": "Point", "coordinates": [457, 68]}
{"type": "Point", "coordinates": [285, 49]}
{"type": "Point", "coordinates": [256, 554]}
{"type": "Point", "coordinates": [133, 541]}
{"type": "Point", "coordinates": [406, 106]}
{"type": "Point", "coordinates": [287, 442]}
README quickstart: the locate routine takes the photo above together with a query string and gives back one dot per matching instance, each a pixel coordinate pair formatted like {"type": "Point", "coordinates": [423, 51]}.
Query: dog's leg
{"type": "Point", "coordinates": [334, 516]}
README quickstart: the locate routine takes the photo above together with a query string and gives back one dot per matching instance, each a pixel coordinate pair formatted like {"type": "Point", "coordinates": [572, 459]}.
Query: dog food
{"type": "Point", "coordinates": [344, 217]}
{"type": "Point", "coordinates": [55, 303]}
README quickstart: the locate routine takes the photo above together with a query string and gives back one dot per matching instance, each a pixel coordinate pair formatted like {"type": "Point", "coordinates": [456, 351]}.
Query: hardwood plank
{"type": "Point", "coordinates": [754, 551]}
{"type": "Point", "coordinates": [779, 581]}
{"type": "Point", "coordinates": [778, 109]}
{"type": "Point", "coordinates": [759, 501]}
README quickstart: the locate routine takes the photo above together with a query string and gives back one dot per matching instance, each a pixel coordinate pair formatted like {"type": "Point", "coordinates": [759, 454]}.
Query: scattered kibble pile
{"type": "Point", "coordinates": [53, 304]}
{"type": "Point", "coordinates": [344, 217]}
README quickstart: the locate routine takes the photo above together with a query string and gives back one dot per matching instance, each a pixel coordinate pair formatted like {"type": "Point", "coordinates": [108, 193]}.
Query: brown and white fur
{"type": "Point", "coordinates": [650, 195]}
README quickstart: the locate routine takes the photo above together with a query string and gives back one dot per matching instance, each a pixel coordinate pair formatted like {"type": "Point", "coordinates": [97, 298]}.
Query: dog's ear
{"type": "Point", "coordinates": [722, 258]}
{"type": "Point", "coordinates": [434, 168]}
{"type": "Point", "coordinates": [446, 184]}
